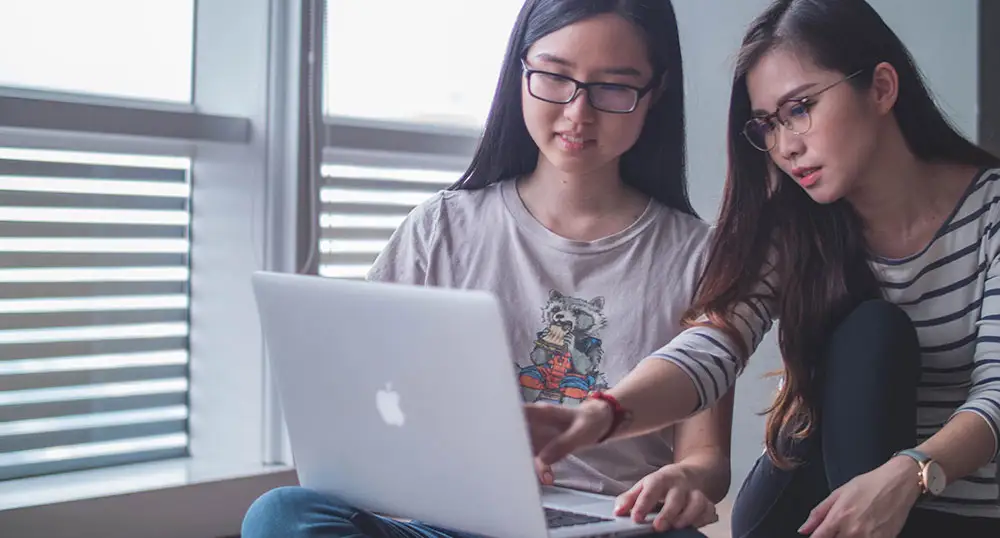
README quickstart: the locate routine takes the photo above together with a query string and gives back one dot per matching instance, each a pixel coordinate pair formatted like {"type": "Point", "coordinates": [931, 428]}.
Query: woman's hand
{"type": "Point", "coordinates": [683, 506]}
{"type": "Point", "coordinates": [544, 472]}
{"type": "Point", "coordinates": [557, 431]}
{"type": "Point", "coordinates": [873, 505]}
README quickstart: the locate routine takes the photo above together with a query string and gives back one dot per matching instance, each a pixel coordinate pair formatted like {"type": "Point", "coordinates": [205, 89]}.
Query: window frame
{"type": "Point", "coordinates": [242, 133]}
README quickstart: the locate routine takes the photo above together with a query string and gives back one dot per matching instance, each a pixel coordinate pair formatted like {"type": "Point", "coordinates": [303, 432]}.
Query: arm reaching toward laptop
{"type": "Point", "coordinates": [691, 373]}
{"type": "Point", "coordinates": [656, 394]}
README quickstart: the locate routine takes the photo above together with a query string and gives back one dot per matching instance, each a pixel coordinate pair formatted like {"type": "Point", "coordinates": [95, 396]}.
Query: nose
{"type": "Point", "coordinates": [788, 144]}
{"type": "Point", "coordinates": [579, 110]}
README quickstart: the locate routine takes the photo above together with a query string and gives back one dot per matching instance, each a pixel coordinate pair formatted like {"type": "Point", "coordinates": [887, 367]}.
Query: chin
{"type": "Point", "coordinates": [824, 196]}
{"type": "Point", "coordinates": [574, 166]}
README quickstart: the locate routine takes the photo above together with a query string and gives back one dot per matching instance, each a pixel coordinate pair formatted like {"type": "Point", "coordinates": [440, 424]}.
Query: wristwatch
{"type": "Point", "coordinates": [931, 476]}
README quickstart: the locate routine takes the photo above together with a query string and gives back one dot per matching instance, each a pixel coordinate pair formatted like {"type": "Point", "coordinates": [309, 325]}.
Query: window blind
{"type": "Point", "coordinates": [362, 205]}
{"type": "Point", "coordinates": [94, 295]}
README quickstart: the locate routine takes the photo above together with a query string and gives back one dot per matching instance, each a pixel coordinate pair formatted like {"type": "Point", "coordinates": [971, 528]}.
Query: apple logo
{"type": "Point", "coordinates": [387, 403]}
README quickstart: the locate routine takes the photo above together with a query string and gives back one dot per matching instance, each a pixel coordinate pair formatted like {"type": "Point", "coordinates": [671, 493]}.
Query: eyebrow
{"type": "Point", "coordinates": [622, 70]}
{"type": "Point", "coordinates": [786, 97]}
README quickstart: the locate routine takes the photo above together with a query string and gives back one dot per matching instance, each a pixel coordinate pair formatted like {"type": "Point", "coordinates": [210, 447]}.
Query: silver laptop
{"type": "Point", "coordinates": [403, 401]}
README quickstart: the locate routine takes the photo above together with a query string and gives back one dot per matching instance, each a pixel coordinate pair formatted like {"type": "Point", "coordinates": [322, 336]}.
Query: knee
{"type": "Point", "coordinates": [876, 332]}
{"type": "Point", "coordinates": [280, 512]}
{"type": "Point", "coordinates": [880, 315]}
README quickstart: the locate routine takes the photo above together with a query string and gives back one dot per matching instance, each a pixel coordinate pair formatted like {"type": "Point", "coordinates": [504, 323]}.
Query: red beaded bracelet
{"type": "Point", "coordinates": [618, 412]}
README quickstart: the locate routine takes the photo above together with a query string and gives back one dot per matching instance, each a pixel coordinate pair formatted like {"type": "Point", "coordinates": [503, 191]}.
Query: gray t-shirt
{"type": "Point", "coordinates": [579, 315]}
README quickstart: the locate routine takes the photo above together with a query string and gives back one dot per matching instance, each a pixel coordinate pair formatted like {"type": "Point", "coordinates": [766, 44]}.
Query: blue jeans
{"type": "Point", "coordinates": [294, 512]}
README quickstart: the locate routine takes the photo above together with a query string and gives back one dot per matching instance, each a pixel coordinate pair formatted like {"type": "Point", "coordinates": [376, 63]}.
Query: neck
{"type": "Point", "coordinates": [548, 190]}
{"type": "Point", "coordinates": [898, 191]}
{"type": "Point", "coordinates": [581, 206]}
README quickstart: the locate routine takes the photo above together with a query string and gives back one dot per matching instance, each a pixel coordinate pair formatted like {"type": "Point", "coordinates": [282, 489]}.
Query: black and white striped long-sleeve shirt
{"type": "Point", "coordinates": [951, 292]}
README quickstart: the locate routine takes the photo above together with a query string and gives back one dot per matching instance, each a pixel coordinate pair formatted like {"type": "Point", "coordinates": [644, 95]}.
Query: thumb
{"type": "Point", "coordinates": [818, 514]}
{"type": "Point", "coordinates": [544, 472]}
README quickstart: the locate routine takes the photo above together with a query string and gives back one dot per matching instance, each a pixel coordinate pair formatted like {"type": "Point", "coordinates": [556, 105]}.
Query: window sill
{"type": "Point", "coordinates": [186, 497]}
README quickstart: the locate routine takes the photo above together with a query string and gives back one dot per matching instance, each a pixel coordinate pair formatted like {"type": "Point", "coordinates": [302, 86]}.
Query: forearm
{"type": "Point", "coordinates": [702, 447]}
{"type": "Point", "coordinates": [965, 444]}
{"type": "Point", "coordinates": [707, 470]}
{"type": "Point", "coordinates": [657, 393]}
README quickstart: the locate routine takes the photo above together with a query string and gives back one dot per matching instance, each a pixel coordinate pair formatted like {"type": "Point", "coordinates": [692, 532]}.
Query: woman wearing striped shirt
{"type": "Point", "coordinates": [858, 217]}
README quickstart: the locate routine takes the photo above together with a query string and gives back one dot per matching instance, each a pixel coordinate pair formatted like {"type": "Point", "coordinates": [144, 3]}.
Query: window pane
{"type": "Point", "coordinates": [434, 61]}
{"type": "Point", "coordinates": [123, 48]}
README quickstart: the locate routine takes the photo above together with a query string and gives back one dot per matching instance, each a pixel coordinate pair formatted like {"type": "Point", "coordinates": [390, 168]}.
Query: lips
{"type": "Point", "coordinates": [573, 142]}
{"type": "Point", "coordinates": [807, 176]}
{"type": "Point", "coordinates": [572, 138]}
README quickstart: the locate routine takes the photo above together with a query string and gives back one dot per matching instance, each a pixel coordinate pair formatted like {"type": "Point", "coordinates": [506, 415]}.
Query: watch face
{"type": "Point", "coordinates": [934, 478]}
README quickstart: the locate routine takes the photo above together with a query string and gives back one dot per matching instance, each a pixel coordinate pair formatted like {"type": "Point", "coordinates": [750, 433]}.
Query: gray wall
{"type": "Point", "coordinates": [943, 37]}
{"type": "Point", "coordinates": [989, 75]}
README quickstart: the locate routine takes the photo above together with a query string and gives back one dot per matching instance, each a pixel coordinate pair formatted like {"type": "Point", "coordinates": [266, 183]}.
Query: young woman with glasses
{"type": "Point", "coordinates": [858, 217]}
{"type": "Point", "coordinates": [574, 212]}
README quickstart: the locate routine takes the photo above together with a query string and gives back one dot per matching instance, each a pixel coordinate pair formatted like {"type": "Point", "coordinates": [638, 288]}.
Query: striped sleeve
{"type": "Point", "coordinates": [984, 394]}
{"type": "Point", "coordinates": [712, 359]}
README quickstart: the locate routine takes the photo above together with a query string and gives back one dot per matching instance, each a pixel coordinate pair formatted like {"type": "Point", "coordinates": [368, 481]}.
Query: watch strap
{"type": "Point", "coordinates": [922, 460]}
{"type": "Point", "coordinates": [918, 456]}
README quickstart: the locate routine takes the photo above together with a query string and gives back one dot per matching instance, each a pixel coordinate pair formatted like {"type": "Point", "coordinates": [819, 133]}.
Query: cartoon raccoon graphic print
{"type": "Point", "coordinates": [567, 353]}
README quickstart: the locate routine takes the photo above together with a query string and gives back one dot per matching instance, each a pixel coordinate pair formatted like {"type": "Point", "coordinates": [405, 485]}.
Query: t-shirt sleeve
{"type": "Point", "coordinates": [984, 394]}
{"type": "Point", "coordinates": [711, 357]}
{"type": "Point", "coordinates": [406, 257]}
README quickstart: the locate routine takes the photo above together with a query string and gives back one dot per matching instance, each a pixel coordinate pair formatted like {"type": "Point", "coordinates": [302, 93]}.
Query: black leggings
{"type": "Point", "coordinates": [868, 401]}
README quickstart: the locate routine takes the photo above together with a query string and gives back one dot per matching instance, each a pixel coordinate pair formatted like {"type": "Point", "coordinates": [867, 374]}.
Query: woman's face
{"type": "Point", "coordinates": [576, 137]}
{"type": "Point", "coordinates": [838, 124]}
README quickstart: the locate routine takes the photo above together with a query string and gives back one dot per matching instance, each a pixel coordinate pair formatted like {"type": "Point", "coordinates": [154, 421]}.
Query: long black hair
{"type": "Point", "coordinates": [820, 254]}
{"type": "Point", "coordinates": [655, 165]}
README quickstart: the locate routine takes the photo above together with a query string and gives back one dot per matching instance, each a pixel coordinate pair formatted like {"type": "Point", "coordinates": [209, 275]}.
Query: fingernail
{"type": "Point", "coordinates": [547, 477]}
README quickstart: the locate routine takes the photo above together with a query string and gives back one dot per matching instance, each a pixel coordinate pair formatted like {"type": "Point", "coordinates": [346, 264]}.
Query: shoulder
{"type": "Point", "coordinates": [682, 247]}
{"type": "Point", "coordinates": [980, 205]}
{"type": "Point", "coordinates": [683, 233]}
{"type": "Point", "coordinates": [463, 209]}
{"type": "Point", "coordinates": [985, 188]}
{"type": "Point", "coordinates": [451, 212]}
{"type": "Point", "coordinates": [980, 211]}
{"type": "Point", "coordinates": [458, 202]}
{"type": "Point", "coordinates": [985, 191]}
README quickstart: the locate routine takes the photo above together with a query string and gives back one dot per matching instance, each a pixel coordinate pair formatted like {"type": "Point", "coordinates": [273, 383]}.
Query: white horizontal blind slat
{"type": "Point", "coordinates": [94, 307]}
{"type": "Point", "coordinates": [363, 204]}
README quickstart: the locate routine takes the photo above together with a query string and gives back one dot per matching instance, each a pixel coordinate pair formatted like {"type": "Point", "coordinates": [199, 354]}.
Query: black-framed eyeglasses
{"type": "Point", "coordinates": [603, 96]}
{"type": "Point", "coordinates": [793, 114]}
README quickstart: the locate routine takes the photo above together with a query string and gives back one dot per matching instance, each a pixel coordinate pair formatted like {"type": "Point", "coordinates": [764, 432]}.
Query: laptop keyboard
{"type": "Point", "coordinates": [562, 518]}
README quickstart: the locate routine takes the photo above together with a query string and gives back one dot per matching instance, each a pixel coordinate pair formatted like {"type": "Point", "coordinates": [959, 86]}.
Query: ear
{"type": "Point", "coordinates": [659, 90]}
{"type": "Point", "coordinates": [555, 295]}
{"type": "Point", "coordinates": [885, 87]}
{"type": "Point", "coordinates": [774, 177]}
{"type": "Point", "coordinates": [598, 303]}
